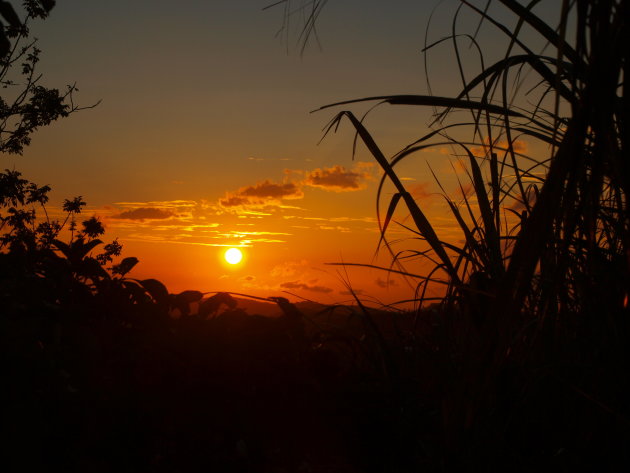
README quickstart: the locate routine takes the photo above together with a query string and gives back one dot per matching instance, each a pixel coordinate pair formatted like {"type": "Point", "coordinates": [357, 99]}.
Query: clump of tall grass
{"type": "Point", "coordinates": [541, 279]}
{"type": "Point", "coordinates": [533, 239]}
{"type": "Point", "coordinates": [530, 219]}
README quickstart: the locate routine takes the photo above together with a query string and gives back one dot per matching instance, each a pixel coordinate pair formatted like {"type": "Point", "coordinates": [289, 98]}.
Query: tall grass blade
{"type": "Point", "coordinates": [543, 28]}
{"type": "Point", "coordinates": [492, 236]}
{"type": "Point", "coordinates": [420, 220]}
{"type": "Point", "coordinates": [388, 217]}
{"type": "Point", "coordinates": [431, 101]}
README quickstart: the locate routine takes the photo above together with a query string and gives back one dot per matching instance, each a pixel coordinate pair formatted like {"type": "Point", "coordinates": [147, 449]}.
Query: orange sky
{"type": "Point", "coordinates": [204, 139]}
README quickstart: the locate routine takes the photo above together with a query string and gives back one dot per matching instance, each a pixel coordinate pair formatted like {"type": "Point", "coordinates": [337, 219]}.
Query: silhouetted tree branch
{"type": "Point", "coordinates": [25, 104]}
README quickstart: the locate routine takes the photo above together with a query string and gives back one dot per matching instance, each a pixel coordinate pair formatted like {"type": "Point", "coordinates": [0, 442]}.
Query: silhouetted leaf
{"type": "Point", "coordinates": [48, 4]}
{"type": "Point", "coordinates": [80, 249]}
{"type": "Point", "coordinates": [125, 266]}
{"type": "Point", "coordinates": [63, 247]}
{"type": "Point", "coordinates": [90, 268]}
{"type": "Point", "coordinates": [157, 290]}
{"type": "Point", "coordinates": [288, 309]}
{"type": "Point", "coordinates": [190, 296]}
{"type": "Point", "coordinates": [183, 300]}
{"type": "Point", "coordinates": [212, 304]}
{"type": "Point", "coordinates": [135, 291]}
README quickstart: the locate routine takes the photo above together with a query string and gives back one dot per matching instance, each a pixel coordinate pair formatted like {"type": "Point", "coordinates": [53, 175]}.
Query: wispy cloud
{"type": "Point", "coordinates": [152, 210]}
{"type": "Point", "coordinates": [239, 234]}
{"type": "Point", "coordinates": [332, 219]}
{"type": "Point", "coordinates": [336, 228]}
{"type": "Point", "coordinates": [144, 213]}
{"type": "Point", "coordinates": [289, 269]}
{"type": "Point", "coordinates": [306, 287]}
{"type": "Point", "coordinates": [162, 204]}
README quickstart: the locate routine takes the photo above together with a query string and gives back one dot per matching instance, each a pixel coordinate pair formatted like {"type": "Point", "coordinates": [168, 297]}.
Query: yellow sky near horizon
{"type": "Point", "coordinates": [288, 231]}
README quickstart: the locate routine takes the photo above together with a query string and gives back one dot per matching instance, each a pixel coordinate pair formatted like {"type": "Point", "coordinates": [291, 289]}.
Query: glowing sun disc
{"type": "Point", "coordinates": [233, 256]}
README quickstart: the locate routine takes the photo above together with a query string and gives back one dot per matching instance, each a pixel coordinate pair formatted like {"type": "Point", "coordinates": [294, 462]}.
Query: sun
{"type": "Point", "coordinates": [233, 256]}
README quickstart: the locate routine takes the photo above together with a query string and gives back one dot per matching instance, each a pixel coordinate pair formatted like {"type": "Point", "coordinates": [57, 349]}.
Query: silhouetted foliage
{"type": "Point", "coordinates": [25, 104]}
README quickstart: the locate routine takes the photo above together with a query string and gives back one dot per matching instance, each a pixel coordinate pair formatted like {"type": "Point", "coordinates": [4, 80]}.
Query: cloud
{"type": "Point", "coordinates": [271, 190]}
{"type": "Point", "coordinates": [335, 228]}
{"type": "Point", "coordinates": [420, 191]}
{"type": "Point", "coordinates": [353, 219]}
{"type": "Point", "coordinates": [233, 201]}
{"type": "Point", "coordinates": [171, 204]}
{"type": "Point", "coordinates": [262, 193]}
{"type": "Point", "coordinates": [289, 269]}
{"type": "Point", "coordinates": [385, 283]}
{"type": "Point", "coordinates": [337, 179]}
{"type": "Point", "coordinates": [239, 234]}
{"type": "Point", "coordinates": [268, 193]}
{"type": "Point", "coordinates": [144, 213]}
{"type": "Point", "coordinates": [305, 287]}
{"type": "Point", "coordinates": [190, 223]}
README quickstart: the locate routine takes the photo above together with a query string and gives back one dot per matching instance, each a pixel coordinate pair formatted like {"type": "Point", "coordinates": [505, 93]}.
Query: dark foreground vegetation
{"type": "Point", "coordinates": [523, 366]}
{"type": "Point", "coordinates": [108, 373]}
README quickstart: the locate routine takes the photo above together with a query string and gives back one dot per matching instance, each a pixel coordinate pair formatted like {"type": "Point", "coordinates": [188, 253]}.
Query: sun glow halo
{"type": "Point", "coordinates": [233, 256]}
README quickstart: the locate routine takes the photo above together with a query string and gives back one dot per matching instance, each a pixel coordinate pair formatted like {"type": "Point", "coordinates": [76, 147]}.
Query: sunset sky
{"type": "Point", "coordinates": [204, 138]}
